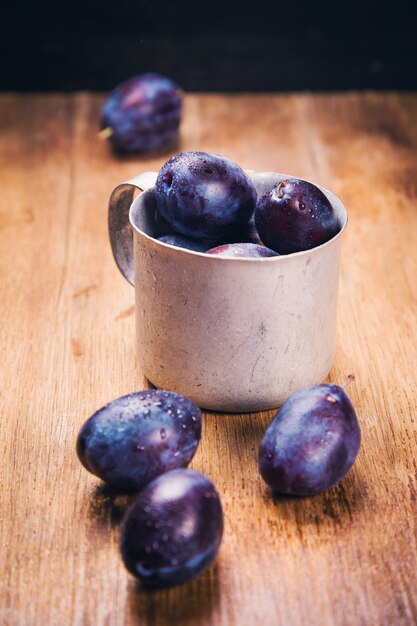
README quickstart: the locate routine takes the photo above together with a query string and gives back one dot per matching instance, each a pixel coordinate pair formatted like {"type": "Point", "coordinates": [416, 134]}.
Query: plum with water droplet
{"type": "Point", "coordinates": [173, 530]}
{"type": "Point", "coordinates": [242, 250]}
{"type": "Point", "coordinates": [142, 113]}
{"type": "Point", "coordinates": [203, 195]}
{"type": "Point", "coordinates": [184, 242]}
{"type": "Point", "coordinates": [135, 438]}
{"type": "Point", "coordinates": [311, 443]}
{"type": "Point", "coordinates": [295, 215]}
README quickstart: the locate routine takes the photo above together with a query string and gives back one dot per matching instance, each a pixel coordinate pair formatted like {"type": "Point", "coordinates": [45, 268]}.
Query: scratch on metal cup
{"type": "Point", "coordinates": [232, 334]}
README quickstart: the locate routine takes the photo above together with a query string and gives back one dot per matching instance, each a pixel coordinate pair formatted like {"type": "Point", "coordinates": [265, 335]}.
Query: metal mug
{"type": "Point", "coordinates": [232, 334]}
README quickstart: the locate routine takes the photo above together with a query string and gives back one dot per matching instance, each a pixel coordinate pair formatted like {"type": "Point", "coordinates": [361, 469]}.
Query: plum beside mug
{"type": "Point", "coordinates": [232, 334]}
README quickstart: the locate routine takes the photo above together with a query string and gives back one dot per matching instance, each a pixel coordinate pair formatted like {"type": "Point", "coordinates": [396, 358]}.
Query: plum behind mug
{"type": "Point", "coordinates": [142, 113]}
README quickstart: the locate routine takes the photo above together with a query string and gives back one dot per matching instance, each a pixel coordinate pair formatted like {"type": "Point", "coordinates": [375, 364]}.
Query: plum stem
{"type": "Point", "coordinates": [105, 133]}
{"type": "Point", "coordinates": [350, 379]}
{"type": "Point", "coordinates": [280, 186]}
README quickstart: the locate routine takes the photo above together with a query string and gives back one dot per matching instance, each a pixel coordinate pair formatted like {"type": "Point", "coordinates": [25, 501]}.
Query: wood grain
{"type": "Point", "coordinates": [347, 557]}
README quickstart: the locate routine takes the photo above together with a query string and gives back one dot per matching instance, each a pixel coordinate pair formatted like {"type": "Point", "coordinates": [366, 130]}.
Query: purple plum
{"type": "Point", "coordinates": [311, 443]}
{"type": "Point", "coordinates": [204, 196]}
{"type": "Point", "coordinates": [242, 250]}
{"type": "Point", "coordinates": [142, 113]}
{"type": "Point", "coordinates": [295, 215]}
{"type": "Point", "coordinates": [245, 234]}
{"type": "Point", "coordinates": [135, 438]}
{"type": "Point", "coordinates": [184, 242]}
{"type": "Point", "coordinates": [173, 530]}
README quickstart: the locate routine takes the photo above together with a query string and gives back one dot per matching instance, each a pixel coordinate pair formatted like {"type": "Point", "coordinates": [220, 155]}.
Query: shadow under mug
{"type": "Point", "coordinates": [232, 334]}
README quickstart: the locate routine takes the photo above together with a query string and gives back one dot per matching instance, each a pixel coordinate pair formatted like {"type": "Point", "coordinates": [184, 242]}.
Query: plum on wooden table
{"type": "Point", "coordinates": [311, 443]}
{"type": "Point", "coordinates": [173, 530]}
{"type": "Point", "coordinates": [142, 113]}
{"type": "Point", "coordinates": [135, 438]}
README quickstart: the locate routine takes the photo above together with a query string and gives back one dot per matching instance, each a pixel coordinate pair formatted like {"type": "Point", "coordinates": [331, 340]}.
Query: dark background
{"type": "Point", "coordinates": [210, 46]}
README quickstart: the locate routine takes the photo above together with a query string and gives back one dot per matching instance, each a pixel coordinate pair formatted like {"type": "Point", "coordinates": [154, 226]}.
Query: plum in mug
{"type": "Point", "coordinates": [232, 334]}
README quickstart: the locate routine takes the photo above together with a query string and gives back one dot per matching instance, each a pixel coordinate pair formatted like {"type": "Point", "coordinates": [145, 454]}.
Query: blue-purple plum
{"type": "Point", "coordinates": [133, 439]}
{"type": "Point", "coordinates": [204, 196]}
{"type": "Point", "coordinates": [245, 233]}
{"type": "Point", "coordinates": [295, 215]}
{"type": "Point", "coordinates": [173, 530]}
{"type": "Point", "coordinates": [142, 113]}
{"type": "Point", "coordinates": [242, 250]}
{"type": "Point", "coordinates": [185, 242]}
{"type": "Point", "coordinates": [311, 443]}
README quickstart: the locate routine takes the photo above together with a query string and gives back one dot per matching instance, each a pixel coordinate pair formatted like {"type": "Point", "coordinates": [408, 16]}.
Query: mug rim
{"type": "Point", "coordinates": [273, 259]}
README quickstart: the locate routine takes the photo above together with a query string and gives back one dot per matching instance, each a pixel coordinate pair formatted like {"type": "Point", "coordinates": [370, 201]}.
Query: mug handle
{"type": "Point", "coordinates": [120, 229]}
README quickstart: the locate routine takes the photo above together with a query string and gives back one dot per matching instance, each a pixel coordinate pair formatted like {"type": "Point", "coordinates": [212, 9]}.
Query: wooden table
{"type": "Point", "coordinates": [347, 557]}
